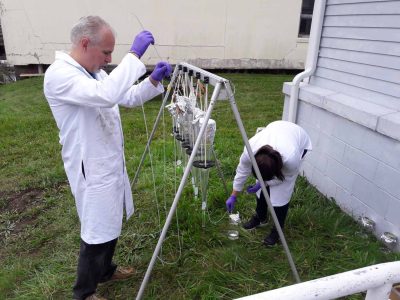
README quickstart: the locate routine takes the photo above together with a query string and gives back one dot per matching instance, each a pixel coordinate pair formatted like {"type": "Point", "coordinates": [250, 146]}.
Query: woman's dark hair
{"type": "Point", "coordinates": [270, 163]}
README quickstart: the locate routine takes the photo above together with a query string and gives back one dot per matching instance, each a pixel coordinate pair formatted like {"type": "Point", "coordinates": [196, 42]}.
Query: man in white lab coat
{"type": "Point", "coordinates": [85, 103]}
{"type": "Point", "coordinates": [279, 150]}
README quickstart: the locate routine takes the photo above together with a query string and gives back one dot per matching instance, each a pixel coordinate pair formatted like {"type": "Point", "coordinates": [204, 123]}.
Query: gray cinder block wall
{"type": "Point", "coordinates": [354, 160]}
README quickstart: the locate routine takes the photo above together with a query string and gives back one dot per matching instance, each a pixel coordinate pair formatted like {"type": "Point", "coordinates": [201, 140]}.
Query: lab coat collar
{"type": "Point", "coordinates": [60, 55]}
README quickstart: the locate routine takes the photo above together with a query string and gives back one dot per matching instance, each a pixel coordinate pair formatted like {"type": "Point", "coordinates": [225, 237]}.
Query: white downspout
{"type": "Point", "coordinates": [312, 56]}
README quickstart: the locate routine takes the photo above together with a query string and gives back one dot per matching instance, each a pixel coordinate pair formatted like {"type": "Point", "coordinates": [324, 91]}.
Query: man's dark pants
{"type": "Point", "coordinates": [94, 266]}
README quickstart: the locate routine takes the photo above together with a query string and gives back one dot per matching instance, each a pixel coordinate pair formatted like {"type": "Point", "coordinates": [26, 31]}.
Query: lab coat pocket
{"type": "Point", "coordinates": [104, 171]}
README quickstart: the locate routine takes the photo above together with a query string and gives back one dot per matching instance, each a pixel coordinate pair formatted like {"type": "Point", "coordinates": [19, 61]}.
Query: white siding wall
{"type": "Point", "coordinates": [351, 109]}
{"type": "Point", "coordinates": [360, 51]}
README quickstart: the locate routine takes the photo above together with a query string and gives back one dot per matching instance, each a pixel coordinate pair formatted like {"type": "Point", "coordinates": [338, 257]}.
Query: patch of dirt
{"type": "Point", "coordinates": [20, 201]}
{"type": "Point", "coordinates": [16, 204]}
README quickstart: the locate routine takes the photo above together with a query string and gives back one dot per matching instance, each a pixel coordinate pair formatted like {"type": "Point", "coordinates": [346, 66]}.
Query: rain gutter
{"type": "Point", "coordinates": [312, 57]}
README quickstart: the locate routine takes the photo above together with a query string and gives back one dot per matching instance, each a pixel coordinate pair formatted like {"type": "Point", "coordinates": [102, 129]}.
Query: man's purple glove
{"type": "Point", "coordinates": [161, 70]}
{"type": "Point", "coordinates": [230, 203]}
{"type": "Point", "coordinates": [252, 189]}
{"type": "Point", "coordinates": [142, 42]}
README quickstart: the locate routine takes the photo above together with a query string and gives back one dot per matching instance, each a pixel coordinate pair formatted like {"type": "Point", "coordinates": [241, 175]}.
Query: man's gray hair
{"type": "Point", "coordinates": [89, 27]}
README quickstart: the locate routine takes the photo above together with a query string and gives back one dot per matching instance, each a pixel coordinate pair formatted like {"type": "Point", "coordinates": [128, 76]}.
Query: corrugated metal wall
{"type": "Point", "coordinates": [226, 34]}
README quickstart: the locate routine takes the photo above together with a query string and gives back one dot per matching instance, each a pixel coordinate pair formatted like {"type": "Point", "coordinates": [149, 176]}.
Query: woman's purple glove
{"type": "Point", "coordinates": [161, 70]}
{"type": "Point", "coordinates": [142, 42]}
{"type": "Point", "coordinates": [252, 189]}
{"type": "Point", "coordinates": [230, 203]}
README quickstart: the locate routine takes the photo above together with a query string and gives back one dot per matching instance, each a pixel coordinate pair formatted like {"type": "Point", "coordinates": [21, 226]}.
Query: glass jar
{"type": "Point", "coordinates": [233, 230]}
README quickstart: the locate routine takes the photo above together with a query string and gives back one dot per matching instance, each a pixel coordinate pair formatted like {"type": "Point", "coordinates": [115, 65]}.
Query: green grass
{"type": "Point", "coordinates": [39, 228]}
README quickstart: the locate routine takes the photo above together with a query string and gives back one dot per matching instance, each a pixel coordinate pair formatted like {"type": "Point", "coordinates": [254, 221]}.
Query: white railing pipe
{"type": "Point", "coordinates": [312, 57]}
{"type": "Point", "coordinates": [377, 280]}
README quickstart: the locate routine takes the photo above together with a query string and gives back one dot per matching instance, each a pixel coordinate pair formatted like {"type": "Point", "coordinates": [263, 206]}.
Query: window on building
{"type": "Point", "coordinates": [307, 8]}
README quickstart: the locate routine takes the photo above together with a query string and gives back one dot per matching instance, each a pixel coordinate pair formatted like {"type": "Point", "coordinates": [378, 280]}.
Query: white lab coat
{"type": "Point", "coordinates": [290, 140]}
{"type": "Point", "coordinates": [87, 115]}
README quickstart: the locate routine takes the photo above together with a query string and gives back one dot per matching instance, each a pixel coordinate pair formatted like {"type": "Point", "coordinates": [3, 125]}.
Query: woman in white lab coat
{"type": "Point", "coordinates": [85, 103]}
{"type": "Point", "coordinates": [278, 149]}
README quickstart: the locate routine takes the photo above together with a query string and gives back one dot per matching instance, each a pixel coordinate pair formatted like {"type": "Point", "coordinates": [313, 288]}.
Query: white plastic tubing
{"type": "Point", "coordinates": [312, 56]}
{"type": "Point", "coordinates": [377, 280]}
